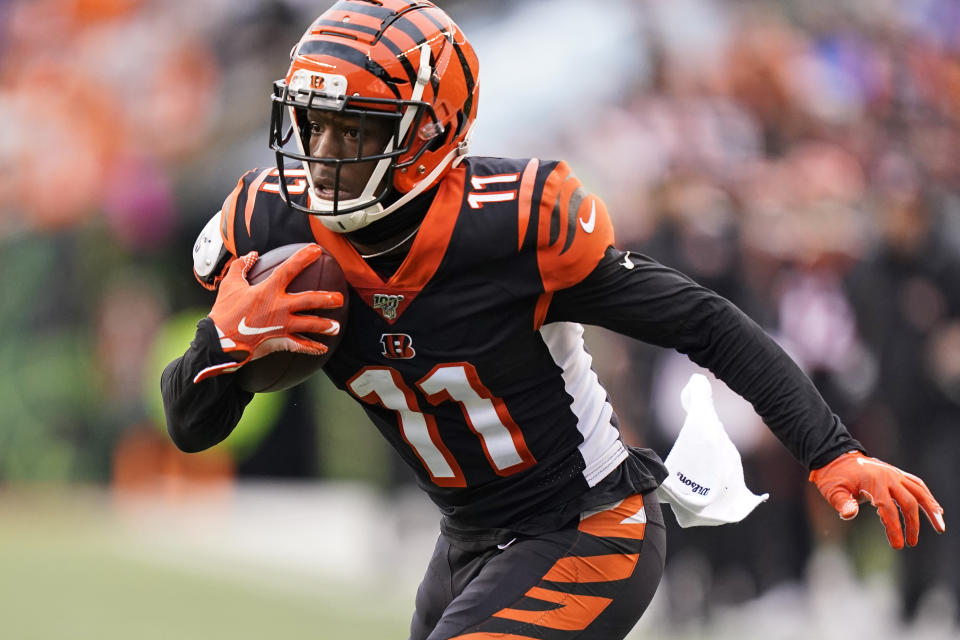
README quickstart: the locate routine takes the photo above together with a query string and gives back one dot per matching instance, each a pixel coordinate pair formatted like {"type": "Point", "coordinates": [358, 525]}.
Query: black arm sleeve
{"type": "Point", "coordinates": [199, 415]}
{"type": "Point", "coordinates": [655, 304]}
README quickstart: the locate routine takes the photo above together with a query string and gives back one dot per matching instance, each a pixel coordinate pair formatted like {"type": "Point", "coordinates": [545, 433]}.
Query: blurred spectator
{"type": "Point", "coordinates": [908, 310]}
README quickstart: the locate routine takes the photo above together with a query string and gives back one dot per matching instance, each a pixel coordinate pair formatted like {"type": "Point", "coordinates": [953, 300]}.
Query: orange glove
{"type": "Point", "coordinates": [853, 475]}
{"type": "Point", "coordinates": [255, 320]}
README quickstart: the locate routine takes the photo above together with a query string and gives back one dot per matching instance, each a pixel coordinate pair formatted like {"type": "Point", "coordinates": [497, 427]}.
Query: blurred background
{"type": "Point", "coordinates": [801, 158]}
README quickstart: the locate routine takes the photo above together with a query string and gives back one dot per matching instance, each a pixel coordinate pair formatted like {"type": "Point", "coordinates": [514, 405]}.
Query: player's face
{"type": "Point", "coordinates": [337, 135]}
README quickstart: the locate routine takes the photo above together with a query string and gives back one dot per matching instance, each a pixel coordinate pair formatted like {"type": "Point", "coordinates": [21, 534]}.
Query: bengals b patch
{"type": "Point", "coordinates": [397, 346]}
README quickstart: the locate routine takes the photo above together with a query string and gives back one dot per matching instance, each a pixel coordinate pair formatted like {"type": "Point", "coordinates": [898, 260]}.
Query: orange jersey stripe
{"type": "Point", "coordinates": [431, 242]}
{"type": "Point", "coordinates": [526, 195]}
{"type": "Point", "coordinates": [605, 568]}
{"type": "Point", "coordinates": [540, 312]}
{"type": "Point", "coordinates": [626, 520]}
{"type": "Point", "coordinates": [229, 210]}
{"type": "Point", "coordinates": [575, 613]}
{"type": "Point", "coordinates": [252, 196]}
{"type": "Point", "coordinates": [574, 230]}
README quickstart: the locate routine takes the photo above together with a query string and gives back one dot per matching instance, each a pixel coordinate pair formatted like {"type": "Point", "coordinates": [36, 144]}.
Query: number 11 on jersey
{"type": "Point", "coordinates": [484, 414]}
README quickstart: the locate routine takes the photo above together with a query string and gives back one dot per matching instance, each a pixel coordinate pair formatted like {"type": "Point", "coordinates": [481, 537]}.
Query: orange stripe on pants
{"type": "Point", "coordinates": [575, 613]}
{"type": "Point", "coordinates": [626, 520]}
{"type": "Point", "coordinates": [606, 568]}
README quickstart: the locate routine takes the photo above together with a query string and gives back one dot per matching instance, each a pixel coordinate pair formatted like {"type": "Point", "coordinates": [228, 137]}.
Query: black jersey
{"type": "Point", "coordinates": [470, 359]}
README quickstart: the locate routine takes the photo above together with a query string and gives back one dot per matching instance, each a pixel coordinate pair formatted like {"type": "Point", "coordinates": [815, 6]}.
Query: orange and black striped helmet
{"type": "Point", "coordinates": [402, 62]}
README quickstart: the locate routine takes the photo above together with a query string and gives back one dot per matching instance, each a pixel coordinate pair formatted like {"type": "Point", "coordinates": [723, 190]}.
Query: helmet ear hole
{"type": "Point", "coordinates": [441, 140]}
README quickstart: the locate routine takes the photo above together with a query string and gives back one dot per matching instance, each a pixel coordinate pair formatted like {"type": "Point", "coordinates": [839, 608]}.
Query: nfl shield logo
{"type": "Point", "coordinates": [387, 304]}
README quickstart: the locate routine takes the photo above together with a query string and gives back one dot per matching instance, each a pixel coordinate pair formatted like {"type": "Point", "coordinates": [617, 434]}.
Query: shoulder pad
{"type": "Point", "coordinates": [255, 216]}
{"type": "Point", "coordinates": [573, 230]}
{"type": "Point", "coordinates": [209, 253]}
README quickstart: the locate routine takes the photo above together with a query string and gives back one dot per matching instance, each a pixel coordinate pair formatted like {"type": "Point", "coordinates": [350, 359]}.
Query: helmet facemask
{"type": "Point", "coordinates": [408, 126]}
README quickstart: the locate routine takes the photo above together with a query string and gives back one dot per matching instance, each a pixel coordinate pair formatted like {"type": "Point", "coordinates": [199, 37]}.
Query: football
{"type": "Point", "coordinates": [284, 369]}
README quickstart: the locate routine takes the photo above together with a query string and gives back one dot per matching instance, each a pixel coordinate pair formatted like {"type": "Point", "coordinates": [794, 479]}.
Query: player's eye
{"type": "Point", "coordinates": [316, 128]}
{"type": "Point", "coordinates": [351, 133]}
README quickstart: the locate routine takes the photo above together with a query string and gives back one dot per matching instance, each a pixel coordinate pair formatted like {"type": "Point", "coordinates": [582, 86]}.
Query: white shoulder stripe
{"type": "Point", "coordinates": [602, 449]}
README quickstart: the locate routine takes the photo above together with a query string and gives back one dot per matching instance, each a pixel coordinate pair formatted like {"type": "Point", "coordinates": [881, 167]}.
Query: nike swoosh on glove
{"type": "Point", "coordinates": [853, 475]}
{"type": "Point", "coordinates": [255, 320]}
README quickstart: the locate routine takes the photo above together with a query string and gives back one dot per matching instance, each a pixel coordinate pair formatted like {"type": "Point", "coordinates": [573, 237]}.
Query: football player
{"type": "Point", "coordinates": [470, 280]}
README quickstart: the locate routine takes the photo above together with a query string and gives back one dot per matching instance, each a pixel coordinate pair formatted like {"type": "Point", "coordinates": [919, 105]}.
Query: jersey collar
{"type": "Point", "coordinates": [421, 263]}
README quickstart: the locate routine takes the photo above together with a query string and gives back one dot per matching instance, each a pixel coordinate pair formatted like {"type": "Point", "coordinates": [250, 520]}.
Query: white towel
{"type": "Point", "coordinates": [705, 486]}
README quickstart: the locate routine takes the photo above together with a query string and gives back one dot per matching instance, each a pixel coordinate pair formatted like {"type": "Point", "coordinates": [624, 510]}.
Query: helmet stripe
{"type": "Point", "coordinates": [429, 23]}
{"type": "Point", "coordinates": [408, 27]}
{"type": "Point", "coordinates": [440, 27]}
{"type": "Point", "coordinates": [349, 54]}
{"type": "Point", "coordinates": [397, 51]}
{"type": "Point", "coordinates": [468, 76]}
{"type": "Point", "coordinates": [372, 31]}
{"type": "Point", "coordinates": [435, 83]}
{"type": "Point", "coordinates": [350, 6]}
{"type": "Point", "coordinates": [346, 25]}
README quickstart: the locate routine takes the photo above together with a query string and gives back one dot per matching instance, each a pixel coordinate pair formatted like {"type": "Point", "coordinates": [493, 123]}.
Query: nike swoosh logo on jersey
{"type": "Point", "coordinates": [505, 545]}
{"type": "Point", "coordinates": [247, 330]}
{"type": "Point", "coordinates": [590, 222]}
{"type": "Point", "coordinates": [627, 262]}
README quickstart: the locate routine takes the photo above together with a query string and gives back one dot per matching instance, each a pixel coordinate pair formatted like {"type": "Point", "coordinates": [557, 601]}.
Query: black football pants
{"type": "Point", "coordinates": [591, 580]}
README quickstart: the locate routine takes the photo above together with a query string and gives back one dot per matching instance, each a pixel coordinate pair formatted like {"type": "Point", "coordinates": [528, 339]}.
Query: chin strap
{"type": "Point", "coordinates": [464, 147]}
{"type": "Point", "coordinates": [454, 158]}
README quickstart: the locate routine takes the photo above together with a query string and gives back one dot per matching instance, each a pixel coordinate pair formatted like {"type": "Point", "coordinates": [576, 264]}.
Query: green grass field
{"type": "Point", "coordinates": [66, 572]}
{"type": "Point", "coordinates": [75, 564]}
